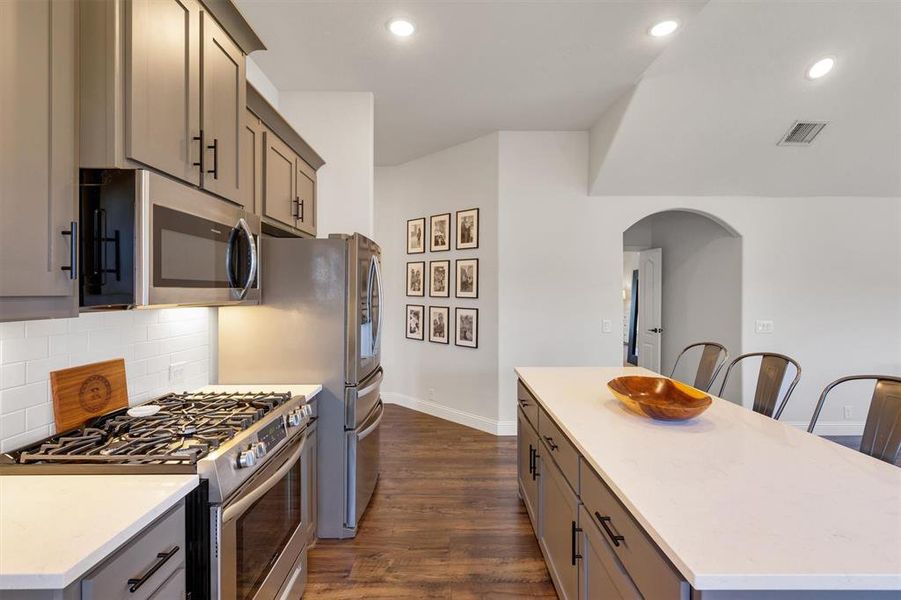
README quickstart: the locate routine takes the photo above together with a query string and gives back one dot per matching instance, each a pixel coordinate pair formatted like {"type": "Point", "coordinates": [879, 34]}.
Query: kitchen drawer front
{"type": "Point", "coordinates": [137, 558]}
{"type": "Point", "coordinates": [174, 588]}
{"type": "Point", "coordinates": [527, 403]}
{"type": "Point", "coordinates": [559, 448]}
{"type": "Point", "coordinates": [603, 575]}
{"type": "Point", "coordinates": [647, 566]}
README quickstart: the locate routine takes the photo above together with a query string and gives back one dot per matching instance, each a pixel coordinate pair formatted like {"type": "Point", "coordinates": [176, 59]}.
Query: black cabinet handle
{"type": "Point", "coordinates": [215, 148]}
{"type": "Point", "coordinates": [295, 208]}
{"type": "Point", "coordinates": [162, 557]}
{"type": "Point", "coordinates": [72, 267]}
{"type": "Point", "coordinates": [531, 459]}
{"type": "Point", "coordinates": [535, 473]}
{"type": "Point", "coordinates": [616, 539]}
{"type": "Point", "coordinates": [523, 402]}
{"type": "Point", "coordinates": [574, 531]}
{"type": "Point", "coordinates": [550, 443]}
{"type": "Point", "coordinates": [300, 208]}
{"type": "Point", "coordinates": [199, 138]}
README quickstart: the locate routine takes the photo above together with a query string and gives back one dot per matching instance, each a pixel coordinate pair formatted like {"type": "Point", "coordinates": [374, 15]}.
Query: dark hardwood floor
{"type": "Point", "coordinates": [445, 521]}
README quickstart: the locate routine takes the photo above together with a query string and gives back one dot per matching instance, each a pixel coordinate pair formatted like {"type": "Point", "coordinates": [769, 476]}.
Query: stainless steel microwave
{"type": "Point", "coordinates": [147, 240]}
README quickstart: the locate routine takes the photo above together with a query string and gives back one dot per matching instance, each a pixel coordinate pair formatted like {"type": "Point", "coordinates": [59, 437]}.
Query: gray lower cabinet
{"type": "Point", "coordinates": [593, 547]}
{"type": "Point", "coordinates": [527, 453]}
{"type": "Point", "coordinates": [559, 517]}
{"type": "Point", "coordinates": [38, 159]}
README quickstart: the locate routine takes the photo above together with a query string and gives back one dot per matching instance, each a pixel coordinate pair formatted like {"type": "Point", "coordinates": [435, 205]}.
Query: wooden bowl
{"type": "Point", "coordinates": [659, 397]}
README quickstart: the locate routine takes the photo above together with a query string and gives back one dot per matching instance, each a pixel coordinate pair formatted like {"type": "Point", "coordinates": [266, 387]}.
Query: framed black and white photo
{"type": "Point", "coordinates": [439, 279]}
{"type": "Point", "coordinates": [416, 236]}
{"type": "Point", "coordinates": [416, 279]}
{"type": "Point", "coordinates": [467, 278]}
{"type": "Point", "coordinates": [439, 233]}
{"type": "Point", "coordinates": [466, 332]}
{"type": "Point", "coordinates": [439, 324]}
{"type": "Point", "coordinates": [415, 322]}
{"type": "Point", "coordinates": [468, 229]}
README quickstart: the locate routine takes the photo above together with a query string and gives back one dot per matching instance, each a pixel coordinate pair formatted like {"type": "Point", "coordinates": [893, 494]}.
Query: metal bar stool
{"type": "Point", "coordinates": [709, 366]}
{"type": "Point", "coordinates": [769, 381]}
{"type": "Point", "coordinates": [882, 432]}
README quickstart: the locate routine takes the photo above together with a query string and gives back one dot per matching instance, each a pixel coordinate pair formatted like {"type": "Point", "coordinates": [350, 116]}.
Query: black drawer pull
{"type": "Point", "coordinates": [574, 531]}
{"type": "Point", "coordinates": [523, 402]}
{"type": "Point", "coordinates": [550, 443]}
{"type": "Point", "coordinates": [616, 539]}
{"type": "Point", "coordinates": [162, 557]}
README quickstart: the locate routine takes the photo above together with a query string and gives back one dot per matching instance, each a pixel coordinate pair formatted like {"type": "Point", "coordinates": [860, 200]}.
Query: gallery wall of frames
{"type": "Point", "coordinates": [434, 276]}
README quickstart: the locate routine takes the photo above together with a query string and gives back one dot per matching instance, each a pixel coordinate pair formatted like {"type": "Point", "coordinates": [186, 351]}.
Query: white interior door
{"type": "Point", "coordinates": [650, 301]}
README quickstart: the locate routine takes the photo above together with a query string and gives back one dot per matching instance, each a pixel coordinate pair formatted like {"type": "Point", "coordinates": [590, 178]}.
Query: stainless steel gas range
{"type": "Point", "coordinates": [254, 514]}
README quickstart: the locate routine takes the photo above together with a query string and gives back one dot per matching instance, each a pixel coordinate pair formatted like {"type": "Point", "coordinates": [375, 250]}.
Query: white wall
{"type": "Point", "coordinates": [148, 340]}
{"type": "Point", "coordinates": [339, 126]}
{"type": "Point", "coordinates": [261, 82]}
{"type": "Point", "coordinates": [827, 271]}
{"type": "Point", "coordinates": [464, 380]}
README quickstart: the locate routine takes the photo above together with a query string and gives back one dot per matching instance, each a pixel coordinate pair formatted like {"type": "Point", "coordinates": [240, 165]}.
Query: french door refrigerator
{"type": "Point", "coordinates": [319, 321]}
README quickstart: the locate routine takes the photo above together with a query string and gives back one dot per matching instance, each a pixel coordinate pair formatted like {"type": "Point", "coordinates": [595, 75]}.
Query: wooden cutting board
{"type": "Point", "coordinates": [82, 393]}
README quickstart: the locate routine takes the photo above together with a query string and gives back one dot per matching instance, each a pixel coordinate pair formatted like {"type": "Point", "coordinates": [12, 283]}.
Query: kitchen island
{"type": "Point", "coordinates": [729, 505]}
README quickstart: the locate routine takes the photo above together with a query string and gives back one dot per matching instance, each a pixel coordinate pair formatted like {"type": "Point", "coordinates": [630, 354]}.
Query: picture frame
{"type": "Point", "coordinates": [416, 236]}
{"type": "Point", "coordinates": [439, 324]}
{"type": "Point", "coordinates": [466, 327]}
{"type": "Point", "coordinates": [415, 322]}
{"type": "Point", "coordinates": [440, 233]}
{"type": "Point", "coordinates": [467, 229]}
{"type": "Point", "coordinates": [439, 279]}
{"type": "Point", "coordinates": [416, 279]}
{"type": "Point", "coordinates": [467, 278]}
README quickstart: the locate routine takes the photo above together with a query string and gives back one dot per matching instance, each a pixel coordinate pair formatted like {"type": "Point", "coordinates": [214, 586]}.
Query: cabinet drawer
{"type": "Point", "coordinates": [527, 403]}
{"type": "Point", "coordinates": [647, 566]}
{"type": "Point", "coordinates": [559, 448]}
{"type": "Point", "coordinates": [173, 588]}
{"type": "Point", "coordinates": [137, 558]}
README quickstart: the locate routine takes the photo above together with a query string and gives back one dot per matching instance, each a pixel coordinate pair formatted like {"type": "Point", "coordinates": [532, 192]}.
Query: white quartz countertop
{"type": "Point", "coordinates": [736, 500]}
{"type": "Point", "coordinates": [56, 528]}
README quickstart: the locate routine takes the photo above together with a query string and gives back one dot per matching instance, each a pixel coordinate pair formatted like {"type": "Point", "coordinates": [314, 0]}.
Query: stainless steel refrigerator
{"type": "Point", "coordinates": [319, 322]}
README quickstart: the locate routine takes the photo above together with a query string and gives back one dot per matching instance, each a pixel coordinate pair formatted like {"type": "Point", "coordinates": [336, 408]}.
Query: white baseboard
{"type": "Point", "coordinates": [831, 427]}
{"type": "Point", "coordinates": [451, 414]}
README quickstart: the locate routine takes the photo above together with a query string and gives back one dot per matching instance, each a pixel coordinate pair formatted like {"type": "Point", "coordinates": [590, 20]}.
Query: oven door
{"type": "Point", "coordinates": [262, 530]}
{"type": "Point", "coordinates": [196, 249]}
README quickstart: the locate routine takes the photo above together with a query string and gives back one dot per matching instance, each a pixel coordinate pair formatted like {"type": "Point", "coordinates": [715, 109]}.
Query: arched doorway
{"type": "Point", "coordinates": [682, 284]}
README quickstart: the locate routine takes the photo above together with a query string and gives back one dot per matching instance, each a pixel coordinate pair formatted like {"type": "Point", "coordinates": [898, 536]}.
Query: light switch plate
{"type": "Point", "coordinates": [763, 326]}
{"type": "Point", "coordinates": [607, 326]}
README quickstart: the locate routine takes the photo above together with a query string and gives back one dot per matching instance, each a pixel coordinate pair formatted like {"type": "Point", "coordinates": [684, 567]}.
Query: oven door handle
{"type": "Point", "coordinates": [363, 434]}
{"type": "Point", "coordinates": [235, 510]}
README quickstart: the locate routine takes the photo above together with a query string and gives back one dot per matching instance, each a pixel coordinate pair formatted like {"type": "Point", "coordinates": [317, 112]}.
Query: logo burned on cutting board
{"type": "Point", "coordinates": [95, 393]}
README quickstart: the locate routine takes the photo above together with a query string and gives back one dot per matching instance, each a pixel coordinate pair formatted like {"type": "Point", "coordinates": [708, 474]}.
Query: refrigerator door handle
{"type": "Point", "coordinates": [376, 381]}
{"type": "Point", "coordinates": [378, 281]}
{"type": "Point", "coordinates": [365, 433]}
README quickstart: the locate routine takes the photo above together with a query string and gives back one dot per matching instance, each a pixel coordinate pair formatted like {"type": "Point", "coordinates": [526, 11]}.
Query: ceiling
{"type": "Point", "coordinates": [471, 67]}
{"type": "Point", "coordinates": [705, 118]}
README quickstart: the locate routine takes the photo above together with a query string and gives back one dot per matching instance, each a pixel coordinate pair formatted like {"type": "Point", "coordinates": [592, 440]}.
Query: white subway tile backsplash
{"type": "Point", "coordinates": [149, 340]}
{"type": "Point", "coordinates": [19, 349]}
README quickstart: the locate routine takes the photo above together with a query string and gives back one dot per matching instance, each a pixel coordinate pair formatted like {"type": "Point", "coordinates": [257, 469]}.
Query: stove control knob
{"type": "Point", "coordinates": [294, 419]}
{"type": "Point", "coordinates": [246, 459]}
{"type": "Point", "coordinates": [307, 410]}
{"type": "Point", "coordinates": [260, 449]}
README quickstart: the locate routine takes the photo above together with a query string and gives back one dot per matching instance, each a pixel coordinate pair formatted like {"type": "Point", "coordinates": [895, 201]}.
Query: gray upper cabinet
{"type": "Point", "coordinates": [278, 181]}
{"type": "Point", "coordinates": [252, 163]}
{"type": "Point", "coordinates": [163, 86]}
{"type": "Point", "coordinates": [305, 193]}
{"type": "Point", "coordinates": [38, 158]}
{"type": "Point", "coordinates": [222, 111]}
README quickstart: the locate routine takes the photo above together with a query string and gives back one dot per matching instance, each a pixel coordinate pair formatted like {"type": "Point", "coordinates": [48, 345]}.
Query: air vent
{"type": "Point", "coordinates": [802, 133]}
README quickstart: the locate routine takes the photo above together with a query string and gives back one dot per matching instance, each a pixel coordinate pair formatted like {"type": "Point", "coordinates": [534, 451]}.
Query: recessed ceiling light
{"type": "Point", "coordinates": [664, 28]}
{"type": "Point", "coordinates": [401, 27]}
{"type": "Point", "coordinates": [820, 68]}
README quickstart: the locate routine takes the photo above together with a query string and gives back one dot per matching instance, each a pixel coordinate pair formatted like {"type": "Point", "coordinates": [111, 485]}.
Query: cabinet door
{"type": "Point", "coordinates": [222, 110]}
{"type": "Point", "coordinates": [252, 164]}
{"type": "Point", "coordinates": [603, 575]}
{"type": "Point", "coordinates": [38, 158]}
{"type": "Point", "coordinates": [306, 197]}
{"type": "Point", "coordinates": [527, 441]}
{"type": "Point", "coordinates": [162, 98]}
{"type": "Point", "coordinates": [278, 181]}
{"type": "Point", "coordinates": [559, 528]}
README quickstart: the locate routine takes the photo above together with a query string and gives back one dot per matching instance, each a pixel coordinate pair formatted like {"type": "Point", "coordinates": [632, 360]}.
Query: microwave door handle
{"type": "Point", "coordinates": [235, 510]}
{"type": "Point", "coordinates": [254, 258]}
{"type": "Point", "coordinates": [241, 229]}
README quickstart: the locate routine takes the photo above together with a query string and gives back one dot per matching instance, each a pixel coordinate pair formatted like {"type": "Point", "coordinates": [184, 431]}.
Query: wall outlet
{"type": "Point", "coordinates": [763, 326]}
{"type": "Point", "coordinates": [607, 326]}
{"type": "Point", "coordinates": [846, 412]}
{"type": "Point", "coordinates": [177, 372]}
{"type": "Point", "coordinates": [431, 394]}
